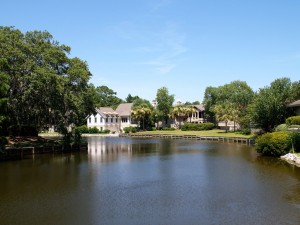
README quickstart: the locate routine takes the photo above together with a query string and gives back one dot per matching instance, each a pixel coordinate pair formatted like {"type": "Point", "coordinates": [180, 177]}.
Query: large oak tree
{"type": "Point", "coordinates": [44, 87]}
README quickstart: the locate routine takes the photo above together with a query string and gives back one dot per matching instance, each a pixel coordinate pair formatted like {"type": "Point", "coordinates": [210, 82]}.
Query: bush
{"type": "Point", "coordinates": [197, 126]}
{"type": "Point", "coordinates": [276, 143]}
{"type": "Point", "coordinates": [168, 128]}
{"type": "Point", "coordinates": [293, 120]}
{"type": "Point", "coordinates": [106, 131]}
{"type": "Point", "coordinates": [94, 130]}
{"type": "Point", "coordinates": [281, 127]}
{"type": "Point", "coordinates": [246, 131]}
{"type": "Point", "coordinates": [82, 129]}
{"type": "Point", "coordinates": [129, 130]}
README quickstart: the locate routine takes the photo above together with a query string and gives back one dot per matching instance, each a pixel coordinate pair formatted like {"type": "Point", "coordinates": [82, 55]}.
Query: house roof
{"type": "Point", "coordinates": [103, 111]}
{"type": "Point", "coordinates": [199, 107]}
{"type": "Point", "coordinates": [294, 104]}
{"type": "Point", "coordinates": [124, 109]}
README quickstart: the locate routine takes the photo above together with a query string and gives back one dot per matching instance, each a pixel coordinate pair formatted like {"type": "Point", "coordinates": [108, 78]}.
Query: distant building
{"type": "Point", "coordinates": [198, 116]}
{"type": "Point", "coordinates": [154, 104]}
{"type": "Point", "coordinates": [296, 106]}
{"type": "Point", "coordinates": [114, 120]}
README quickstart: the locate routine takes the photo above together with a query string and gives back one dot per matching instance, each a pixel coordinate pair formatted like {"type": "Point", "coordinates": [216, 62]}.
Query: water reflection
{"type": "Point", "coordinates": [150, 181]}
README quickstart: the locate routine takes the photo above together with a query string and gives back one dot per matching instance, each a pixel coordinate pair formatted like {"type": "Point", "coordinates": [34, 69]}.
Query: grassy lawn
{"type": "Point", "coordinates": [211, 133]}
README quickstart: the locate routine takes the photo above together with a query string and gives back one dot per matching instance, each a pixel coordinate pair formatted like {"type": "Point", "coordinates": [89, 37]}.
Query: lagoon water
{"type": "Point", "coordinates": [150, 181]}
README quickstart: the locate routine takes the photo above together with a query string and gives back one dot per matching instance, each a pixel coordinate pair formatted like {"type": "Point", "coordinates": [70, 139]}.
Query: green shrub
{"type": "Point", "coordinates": [106, 131]}
{"type": "Point", "coordinates": [274, 144]}
{"type": "Point", "coordinates": [293, 120]}
{"type": "Point", "coordinates": [281, 127]}
{"type": "Point", "coordinates": [94, 130]}
{"type": "Point", "coordinates": [197, 126]}
{"type": "Point", "coordinates": [168, 128]}
{"type": "Point", "coordinates": [246, 131]}
{"type": "Point", "coordinates": [295, 137]}
{"type": "Point", "coordinates": [82, 129]}
{"type": "Point", "coordinates": [129, 129]}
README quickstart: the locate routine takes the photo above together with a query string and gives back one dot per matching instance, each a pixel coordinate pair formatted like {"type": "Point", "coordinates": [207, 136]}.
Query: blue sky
{"type": "Point", "coordinates": [137, 46]}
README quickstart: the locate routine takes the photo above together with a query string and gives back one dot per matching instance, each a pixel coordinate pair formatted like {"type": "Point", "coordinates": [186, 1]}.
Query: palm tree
{"type": "Point", "coordinates": [140, 113]}
{"type": "Point", "coordinates": [190, 110]}
{"type": "Point", "coordinates": [178, 113]}
{"type": "Point", "coordinates": [225, 112]}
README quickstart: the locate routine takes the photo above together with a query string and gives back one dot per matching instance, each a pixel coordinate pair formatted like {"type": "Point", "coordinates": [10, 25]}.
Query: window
{"type": "Point", "coordinates": [112, 120]}
{"type": "Point", "coordinates": [106, 120]}
{"type": "Point", "coordinates": [124, 120]}
{"type": "Point", "coordinates": [95, 119]}
{"type": "Point", "coordinates": [101, 120]}
{"type": "Point", "coordinates": [116, 120]}
{"type": "Point", "coordinates": [90, 120]}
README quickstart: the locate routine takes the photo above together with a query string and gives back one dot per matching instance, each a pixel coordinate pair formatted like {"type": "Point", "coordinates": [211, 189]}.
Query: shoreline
{"type": "Point", "coordinates": [292, 159]}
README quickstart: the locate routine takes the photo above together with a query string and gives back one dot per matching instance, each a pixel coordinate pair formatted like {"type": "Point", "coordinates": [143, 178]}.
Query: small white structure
{"type": "Point", "coordinates": [114, 120]}
{"type": "Point", "coordinates": [231, 125]}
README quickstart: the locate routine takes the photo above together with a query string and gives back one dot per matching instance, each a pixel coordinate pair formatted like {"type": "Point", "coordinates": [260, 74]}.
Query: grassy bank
{"type": "Point", "coordinates": [210, 133]}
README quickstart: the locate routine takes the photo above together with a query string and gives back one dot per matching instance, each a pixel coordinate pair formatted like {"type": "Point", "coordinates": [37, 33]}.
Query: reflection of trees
{"type": "Point", "coordinates": [271, 161]}
{"type": "Point", "coordinates": [277, 166]}
{"type": "Point", "coordinates": [293, 194]}
{"type": "Point", "coordinates": [44, 183]}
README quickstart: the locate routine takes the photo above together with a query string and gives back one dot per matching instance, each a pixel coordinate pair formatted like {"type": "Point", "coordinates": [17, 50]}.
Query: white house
{"type": "Point", "coordinates": [114, 120]}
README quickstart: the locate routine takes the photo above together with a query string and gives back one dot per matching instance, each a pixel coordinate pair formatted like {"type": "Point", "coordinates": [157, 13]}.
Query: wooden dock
{"type": "Point", "coordinates": [191, 137]}
{"type": "Point", "coordinates": [19, 152]}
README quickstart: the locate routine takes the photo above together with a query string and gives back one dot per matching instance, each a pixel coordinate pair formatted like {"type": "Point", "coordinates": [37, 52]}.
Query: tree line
{"type": "Point", "coordinates": [42, 87]}
{"type": "Point", "coordinates": [264, 109]}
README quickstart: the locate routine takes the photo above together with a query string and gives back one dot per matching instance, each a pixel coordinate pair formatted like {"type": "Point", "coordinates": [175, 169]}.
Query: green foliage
{"type": "Point", "coordinates": [82, 129]}
{"type": "Point", "coordinates": [269, 107]}
{"type": "Point", "coordinates": [106, 97]}
{"type": "Point", "coordinates": [164, 102]}
{"type": "Point", "coordinates": [141, 112]}
{"type": "Point", "coordinates": [246, 131]}
{"type": "Point", "coordinates": [129, 130]}
{"type": "Point", "coordinates": [226, 112]}
{"type": "Point", "coordinates": [237, 94]}
{"type": "Point", "coordinates": [91, 130]}
{"type": "Point", "coordinates": [295, 91]}
{"type": "Point", "coordinates": [168, 128]}
{"type": "Point", "coordinates": [131, 99]}
{"type": "Point", "coordinates": [275, 144]}
{"type": "Point", "coordinates": [45, 87]}
{"type": "Point", "coordinates": [106, 131]}
{"type": "Point", "coordinates": [197, 126]}
{"type": "Point", "coordinates": [293, 120]}
{"type": "Point", "coordinates": [282, 127]}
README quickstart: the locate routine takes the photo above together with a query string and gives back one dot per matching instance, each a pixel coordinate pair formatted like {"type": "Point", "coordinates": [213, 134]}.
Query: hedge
{"type": "Point", "coordinates": [277, 143]}
{"type": "Point", "coordinates": [197, 126]}
{"type": "Point", "coordinates": [90, 130]}
{"type": "Point", "coordinates": [293, 120]}
{"type": "Point", "coordinates": [129, 130]}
